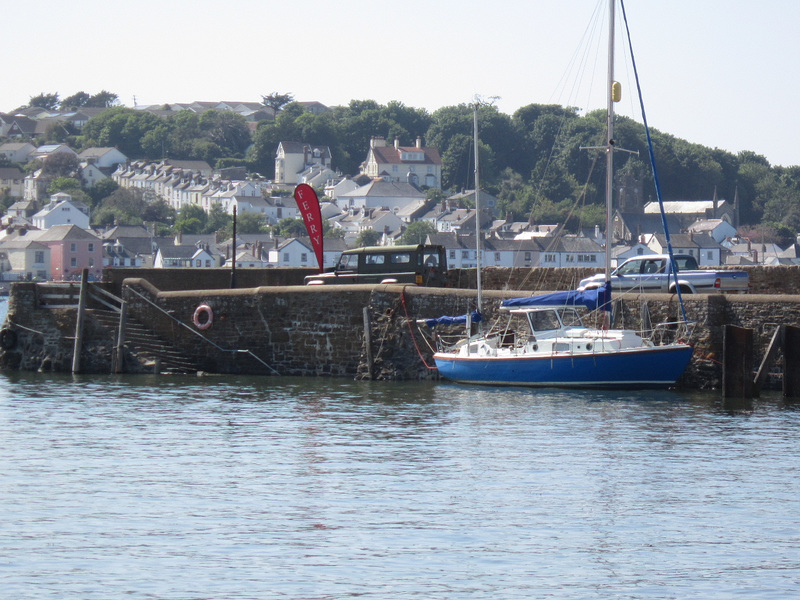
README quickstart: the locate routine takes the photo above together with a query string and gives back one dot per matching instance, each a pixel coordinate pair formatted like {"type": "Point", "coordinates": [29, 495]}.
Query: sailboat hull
{"type": "Point", "coordinates": [653, 367]}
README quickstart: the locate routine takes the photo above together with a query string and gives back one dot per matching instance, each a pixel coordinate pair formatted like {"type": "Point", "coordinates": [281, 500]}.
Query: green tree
{"type": "Point", "coordinates": [44, 100]}
{"type": "Point", "coordinates": [250, 223]}
{"type": "Point", "coordinates": [101, 190]}
{"type": "Point", "coordinates": [61, 164]}
{"type": "Point", "coordinates": [191, 219]}
{"type": "Point", "coordinates": [368, 237]}
{"type": "Point", "coordinates": [291, 228]}
{"type": "Point", "coordinates": [122, 128]}
{"type": "Point", "coordinates": [417, 232]}
{"type": "Point", "coordinates": [77, 100]}
{"type": "Point", "coordinates": [276, 101]}
{"type": "Point", "coordinates": [102, 99]}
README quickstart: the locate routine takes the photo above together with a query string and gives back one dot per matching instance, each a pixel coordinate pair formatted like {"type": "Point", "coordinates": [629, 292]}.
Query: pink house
{"type": "Point", "coordinates": [72, 249]}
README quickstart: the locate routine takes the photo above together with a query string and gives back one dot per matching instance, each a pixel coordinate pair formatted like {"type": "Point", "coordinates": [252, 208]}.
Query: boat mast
{"type": "Point", "coordinates": [477, 208]}
{"type": "Point", "coordinates": [610, 138]}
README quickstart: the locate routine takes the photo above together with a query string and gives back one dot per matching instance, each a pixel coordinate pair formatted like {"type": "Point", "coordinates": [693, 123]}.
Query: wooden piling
{"type": "Point", "coordinates": [368, 341]}
{"type": "Point", "coordinates": [79, 321]}
{"type": "Point", "coordinates": [737, 362]}
{"type": "Point", "coordinates": [791, 361]}
{"type": "Point", "coordinates": [119, 351]}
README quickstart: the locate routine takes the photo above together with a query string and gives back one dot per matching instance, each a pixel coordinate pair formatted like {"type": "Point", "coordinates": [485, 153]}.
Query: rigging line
{"type": "Point", "coordinates": [652, 159]}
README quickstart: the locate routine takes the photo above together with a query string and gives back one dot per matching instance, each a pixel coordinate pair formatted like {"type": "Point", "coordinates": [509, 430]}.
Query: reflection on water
{"type": "Point", "coordinates": [162, 487]}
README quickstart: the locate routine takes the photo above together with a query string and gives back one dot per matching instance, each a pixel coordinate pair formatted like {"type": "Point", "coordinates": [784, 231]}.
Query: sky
{"type": "Point", "coordinates": [723, 74]}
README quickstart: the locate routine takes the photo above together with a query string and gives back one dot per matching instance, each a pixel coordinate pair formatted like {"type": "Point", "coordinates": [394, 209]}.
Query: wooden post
{"type": "Point", "coordinates": [737, 362]}
{"type": "Point", "coordinates": [368, 341]}
{"type": "Point", "coordinates": [791, 361]}
{"type": "Point", "coordinates": [76, 349]}
{"type": "Point", "coordinates": [119, 352]}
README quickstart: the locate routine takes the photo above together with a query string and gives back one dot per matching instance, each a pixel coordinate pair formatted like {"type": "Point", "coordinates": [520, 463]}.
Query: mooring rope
{"type": "Point", "coordinates": [411, 330]}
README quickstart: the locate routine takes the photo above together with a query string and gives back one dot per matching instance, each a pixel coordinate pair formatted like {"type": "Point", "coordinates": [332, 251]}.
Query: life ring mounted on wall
{"type": "Point", "coordinates": [203, 317]}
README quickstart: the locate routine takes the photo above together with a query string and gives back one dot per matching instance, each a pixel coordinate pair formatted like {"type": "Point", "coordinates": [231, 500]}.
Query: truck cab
{"type": "Point", "coordinates": [422, 264]}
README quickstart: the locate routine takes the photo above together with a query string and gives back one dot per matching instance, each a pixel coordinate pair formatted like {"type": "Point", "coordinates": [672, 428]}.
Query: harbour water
{"type": "Point", "coordinates": [248, 488]}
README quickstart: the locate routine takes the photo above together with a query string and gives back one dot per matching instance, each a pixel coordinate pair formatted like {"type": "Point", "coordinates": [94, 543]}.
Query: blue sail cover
{"type": "Point", "coordinates": [598, 298]}
{"type": "Point", "coordinates": [475, 316]}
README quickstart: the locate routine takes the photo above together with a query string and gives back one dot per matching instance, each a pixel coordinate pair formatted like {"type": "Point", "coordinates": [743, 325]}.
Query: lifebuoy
{"type": "Point", "coordinates": [8, 339]}
{"type": "Point", "coordinates": [203, 317]}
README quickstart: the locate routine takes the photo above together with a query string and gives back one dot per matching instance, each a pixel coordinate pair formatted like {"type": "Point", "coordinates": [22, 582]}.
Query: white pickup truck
{"type": "Point", "coordinates": [654, 273]}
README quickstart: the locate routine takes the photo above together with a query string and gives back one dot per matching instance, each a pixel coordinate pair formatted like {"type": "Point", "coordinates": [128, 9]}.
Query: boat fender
{"type": "Point", "coordinates": [203, 317]}
{"type": "Point", "coordinates": [8, 339]}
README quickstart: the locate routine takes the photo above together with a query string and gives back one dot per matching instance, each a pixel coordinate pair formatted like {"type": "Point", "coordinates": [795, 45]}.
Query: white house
{"type": "Point", "coordinates": [702, 246]}
{"type": "Point", "coordinates": [415, 165]}
{"type": "Point", "coordinates": [62, 210]}
{"type": "Point", "coordinates": [103, 158]}
{"type": "Point", "coordinates": [719, 229]}
{"type": "Point", "coordinates": [293, 158]}
{"type": "Point", "coordinates": [380, 193]}
{"type": "Point", "coordinates": [334, 187]}
{"type": "Point", "coordinates": [22, 258]}
{"type": "Point", "coordinates": [172, 257]}
{"type": "Point", "coordinates": [292, 253]}
{"type": "Point", "coordinates": [17, 152]}
{"type": "Point", "coordinates": [12, 181]}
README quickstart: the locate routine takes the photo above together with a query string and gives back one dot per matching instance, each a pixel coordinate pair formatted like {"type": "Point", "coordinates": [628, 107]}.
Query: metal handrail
{"type": "Point", "coordinates": [197, 333]}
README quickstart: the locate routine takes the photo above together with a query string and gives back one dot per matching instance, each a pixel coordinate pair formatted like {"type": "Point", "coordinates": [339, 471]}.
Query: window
{"type": "Point", "coordinates": [91, 247]}
{"type": "Point", "coordinates": [73, 262]}
{"type": "Point", "coordinates": [710, 255]}
{"type": "Point", "coordinates": [198, 263]}
{"type": "Point", "coordinates": [570, 258]}
{"type": "Point", "coordinates": [465, 254]}
{"type": "Point", "coordinates": [38, 257]}
{"type": "Point", "coordinates": [286, 257]}
{"type": "Point", "coordinates": [549, 258]}
{"type": "Point", "coordinates": [497, 257]}
{"type": "Point", "coordinates": [91, 262]}
{"type": "Point", "coordinates": [401, 259]}
{"type": "Point", "coordinates": [73, 247]}
{"type": "Point", "coordinates": [208, 263]}
{"type": "Point", "coordinates": [452, 254]}
{"type": "Point", "coordinates": [304, 257]}
{"type": "Point", "coordinates": [527, 256]}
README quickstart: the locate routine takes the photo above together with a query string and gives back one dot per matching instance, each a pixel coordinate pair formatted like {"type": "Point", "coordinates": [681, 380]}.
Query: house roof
{"type": "Point", "coordinates": [686, 207]}
{"type": "Point", "coordinates": [390, 155]}
{"type": "Point", "coordinates": [58, 233]}
{"type": "Point", "coordinates": [22, 244]}
{"type": "Point", "coordinates": [381, 188]}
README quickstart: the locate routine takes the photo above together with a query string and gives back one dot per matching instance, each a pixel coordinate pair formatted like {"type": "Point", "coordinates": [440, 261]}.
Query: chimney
{"type": "Point", "coordinates": [419, 142]}
{"type": "Point", "coordinates": [396, 143]}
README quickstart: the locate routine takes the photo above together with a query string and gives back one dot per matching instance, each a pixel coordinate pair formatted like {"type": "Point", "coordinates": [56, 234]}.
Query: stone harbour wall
{"type": "Point", "coordinates": [320, 331]}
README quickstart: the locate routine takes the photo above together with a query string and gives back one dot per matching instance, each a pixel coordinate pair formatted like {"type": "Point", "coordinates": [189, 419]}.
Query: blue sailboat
{"type": "Point", "coordinates": [545, 342]}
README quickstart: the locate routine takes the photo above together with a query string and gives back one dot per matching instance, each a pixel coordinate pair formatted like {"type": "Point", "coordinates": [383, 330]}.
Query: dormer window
{"type": "Point", "coordinates": [409, 156]}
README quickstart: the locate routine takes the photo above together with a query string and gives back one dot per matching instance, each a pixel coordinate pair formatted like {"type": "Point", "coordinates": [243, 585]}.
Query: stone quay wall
{"type": "Point", "coordinates": [320, 331]}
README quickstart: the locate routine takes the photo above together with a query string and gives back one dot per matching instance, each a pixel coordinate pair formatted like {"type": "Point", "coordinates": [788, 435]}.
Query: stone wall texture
{"type": "Point", "coordinates": [320, 331]}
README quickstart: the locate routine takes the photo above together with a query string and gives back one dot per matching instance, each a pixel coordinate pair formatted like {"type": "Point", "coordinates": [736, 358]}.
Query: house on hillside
{"type": "Point", "coordinates": [569, 251]}
{"type": "Point", "coordinates": [719, 229]}
{"type": "Point", "coordinates": [631, 226]}
{"type": "Point", "coordinates": [17, 152]}
{"type": "Point", "coordinates": [292, 253]}
{"type": "Point", "coordinates": [103, 158]}
{"type": "Point", "coordinates": [689, 211]}
{"type": "Point", "coordinates": [62, 210]}
{"type": "Point", "coordinates": [72, 249]}
{"type": "Point", "coordinates": [12, 182]}
{"type": "Point", "coordinates": [702, 246]}
{"type": "Point", "coordinates": [380, 193]}
{"type": "Point", "coordinates": [414, 165]}
{"type": "Point", "coordinates": [187, 256]}
{"type": "Point", "coordinates": [294, 159]}
{"type": "Point", "coordinates": [24, 259]}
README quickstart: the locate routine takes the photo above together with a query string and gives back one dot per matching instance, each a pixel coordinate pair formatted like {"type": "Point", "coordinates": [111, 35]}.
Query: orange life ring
{"type": "Point", "coordinates": [203, 317]}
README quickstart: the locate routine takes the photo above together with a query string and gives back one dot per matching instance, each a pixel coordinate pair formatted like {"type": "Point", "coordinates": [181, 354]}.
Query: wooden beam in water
{"type": "Point", "coordinates": [737, 362]}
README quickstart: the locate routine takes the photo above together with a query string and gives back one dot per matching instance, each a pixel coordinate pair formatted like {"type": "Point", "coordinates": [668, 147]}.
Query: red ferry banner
{"type": "Point", "coordinates": [308, 205]}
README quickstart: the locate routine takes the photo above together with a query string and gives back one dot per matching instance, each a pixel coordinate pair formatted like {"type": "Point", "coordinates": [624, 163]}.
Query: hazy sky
{"type": "Point", "coordinates": [719, 73]}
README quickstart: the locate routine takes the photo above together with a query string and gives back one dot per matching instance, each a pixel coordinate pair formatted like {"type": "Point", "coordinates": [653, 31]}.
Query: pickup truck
{"type": "Point", "coordinates": [654, 273]}
{"type": "Point", "coordinates": [418, 265]}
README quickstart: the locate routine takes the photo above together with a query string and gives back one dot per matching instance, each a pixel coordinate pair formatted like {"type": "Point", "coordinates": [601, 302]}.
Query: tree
{"type": "Point", "coordinates": [251, 222]}
{"type": "Point", "coordinates": [368, 237]}
{"type": "Point", "coordinates": [276, 101]}
{"type": "Point", "coordinates": [77, 100]}
{"type": "Point", "coordinates": [101, 190]}
{"type": "Point", "coordinates": [417, 231]}
{"type": "Point", "coordinates": [122, 128]}
{"type": "Point", "coordinates": [291, 228]}
{"type": "Point", "coordinates": [61, 164]}
{"type": "Point", "coordinates": [191, 219]}
{"type": "Point", "coordinates": [102, 99]}
{"type": "Point", "coordinates": [46, 101]}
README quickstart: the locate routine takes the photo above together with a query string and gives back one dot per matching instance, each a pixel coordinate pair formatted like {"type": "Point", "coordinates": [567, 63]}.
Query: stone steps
{"type": "Point", "coordinates": [151, 351]}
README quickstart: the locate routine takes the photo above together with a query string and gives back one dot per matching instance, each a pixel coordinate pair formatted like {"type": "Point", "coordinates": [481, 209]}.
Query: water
{"type": "Point", "coordinates": [209, 488]}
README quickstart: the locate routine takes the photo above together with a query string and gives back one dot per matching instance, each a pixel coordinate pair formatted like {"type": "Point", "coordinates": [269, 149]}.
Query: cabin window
{"type": "Point", "coordinates": [544, 320]}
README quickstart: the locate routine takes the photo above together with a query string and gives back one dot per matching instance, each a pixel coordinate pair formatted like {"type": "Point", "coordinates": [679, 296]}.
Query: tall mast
{"type": "Point", "coordinates": [610, 138]}
{"type": "Point", "coordinates": [477, 207]}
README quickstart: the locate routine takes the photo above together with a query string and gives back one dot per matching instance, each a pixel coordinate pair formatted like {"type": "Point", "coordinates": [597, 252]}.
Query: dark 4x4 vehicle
{"type": "Point", "coordinates": [419, 265]}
